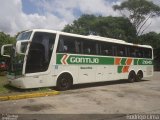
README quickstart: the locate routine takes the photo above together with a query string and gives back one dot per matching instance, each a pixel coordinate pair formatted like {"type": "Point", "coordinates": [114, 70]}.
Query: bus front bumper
{"type": "Point", "coordinates": [16, 82]}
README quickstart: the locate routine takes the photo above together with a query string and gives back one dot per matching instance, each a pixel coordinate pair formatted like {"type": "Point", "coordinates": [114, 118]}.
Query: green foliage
{"type": "Point", "coordinates": [3, 83]}
{"type": "Point", "coordinates": [84, 25]}
{"type": "Point", "coordinates": [138, 12]}
{"type": "Point", "coordinates": [114, 27]}
{"type": "Point", "coordinates": [151, 38]}
{"type": "Point", "coordinates": [6, 39]}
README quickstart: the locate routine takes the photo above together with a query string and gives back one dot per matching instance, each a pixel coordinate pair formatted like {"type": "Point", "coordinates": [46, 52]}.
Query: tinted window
{"type": "Point", "coordinates": [89, 47]}
{"type": "Point", "coordinates": [147, 53]}
{"type": "Point", "coordinates": [66, 44]}
{"type": "Point", "coordinates": [106, 49]}
{"type": "Point", "coordinates": [24, 36]}
{"type": "Point", "coordinates": [75, 45]}
{"type": "Point", "coordinates": [140, 52]}
{"type": "Point", "coordinates": [121, 50]}
{"type": "Point", "coordinates": [69, 44]}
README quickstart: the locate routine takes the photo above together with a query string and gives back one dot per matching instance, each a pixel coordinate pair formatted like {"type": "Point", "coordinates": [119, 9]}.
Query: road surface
{"type": "Point", "coordinates": [116, 97]}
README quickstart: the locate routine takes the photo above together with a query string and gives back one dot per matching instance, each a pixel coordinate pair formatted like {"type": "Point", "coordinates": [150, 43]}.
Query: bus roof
{"type": "Point", "coordinates": [93, 37]}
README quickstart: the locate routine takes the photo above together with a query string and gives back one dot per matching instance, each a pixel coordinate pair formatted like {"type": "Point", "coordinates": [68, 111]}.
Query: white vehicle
{"type": "Point", "coordinates": [44, 58]}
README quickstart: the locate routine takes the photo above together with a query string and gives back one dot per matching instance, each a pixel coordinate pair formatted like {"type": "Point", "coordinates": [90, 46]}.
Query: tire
{"type": "Point", "coordinates": [132, 77]}
{"type": "Point", "coordinates": [139, 76]}
{"type": "Point", "coordinates": [64, 82]}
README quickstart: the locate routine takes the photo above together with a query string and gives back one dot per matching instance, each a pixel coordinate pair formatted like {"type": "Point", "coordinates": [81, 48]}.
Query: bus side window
{"type": "Point", "coordinates": [78, 46]}
{"type": "Point", "coordinates": [88, 50]}
{"type": "Point", "coordinates": [147, 53]}
{"type": "Point", "coordinates": [136, 52]}
{"type": "Point", "coordinates": [89, 47]}
{"type": "Point", "coordinates": [69, 45]}
{"type": "Point", "coordinates": [106, 52]}
{"type": "Point", "coordinates": [60, 46]}
{"type": "Point", "coordinates": [121, 53]}
{"type": "Point", "coordinates": [121, 50]}
{"type": "Point", "coordinates": [132, 51]}
{"type": "Point", "coordinates": [66, 44]}
{"type": "Point", "coordinates": [106, 49]}
{"type": "Point", "coordinates": [133, 54]}
{"type": "Point", "coordinates": [65, 48]}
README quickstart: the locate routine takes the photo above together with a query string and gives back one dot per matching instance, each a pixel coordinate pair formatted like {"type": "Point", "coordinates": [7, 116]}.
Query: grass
{"type": "Point", "coordinates": [3, 83]}
{"type": "Point", "coordinates": [6, 89]}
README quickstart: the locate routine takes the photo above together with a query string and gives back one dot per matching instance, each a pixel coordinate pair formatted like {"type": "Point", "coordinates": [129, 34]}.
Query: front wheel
{"type": "Point", "coordinates": [64, 82]}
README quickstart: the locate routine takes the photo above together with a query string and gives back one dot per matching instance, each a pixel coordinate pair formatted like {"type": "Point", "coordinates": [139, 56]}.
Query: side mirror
{"type": "Point", "coordinates": [21, 46]}
{"type": "Point", "coordinates": [6, 48]}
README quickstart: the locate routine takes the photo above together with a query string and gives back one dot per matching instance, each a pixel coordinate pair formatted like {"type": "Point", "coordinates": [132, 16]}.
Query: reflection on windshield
{"type": "Point", "coordinates": [24, 36]}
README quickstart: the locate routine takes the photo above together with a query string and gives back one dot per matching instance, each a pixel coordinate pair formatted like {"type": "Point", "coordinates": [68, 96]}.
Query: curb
{"type": "Point", "coordinates": [29, 95]}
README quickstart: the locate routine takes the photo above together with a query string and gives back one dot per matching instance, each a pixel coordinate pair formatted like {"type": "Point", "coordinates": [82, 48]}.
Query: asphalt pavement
{"type": "Point", "coordinates": [108, 99]}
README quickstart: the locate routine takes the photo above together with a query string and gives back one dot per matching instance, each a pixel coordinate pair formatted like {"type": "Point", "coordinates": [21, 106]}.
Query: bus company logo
{"type": "Point", "coordinates": [147, 62]}
{"type": "Point", "coordinates": [78, 60]}
{"type": "Point", "coordinates": [84, 60]}
{"type": "Point", "coordinates": [64, 59]}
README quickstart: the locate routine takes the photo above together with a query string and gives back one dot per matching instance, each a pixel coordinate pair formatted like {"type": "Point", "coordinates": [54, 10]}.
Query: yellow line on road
{"type": "Point", "coordinates": [29, 95]}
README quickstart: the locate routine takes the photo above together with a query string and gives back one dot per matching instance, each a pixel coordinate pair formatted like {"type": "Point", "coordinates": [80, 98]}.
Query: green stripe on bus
{"type": "Point", "coordinates": [135, 61]}
{"type": "Point", "coordinates": [123, 61]}
{"type": "Point", "coordinates": [99, 60]}
{"type": "Point", "coordinates": [120, 69]}
{"type": "Point", "coordinates": [143, 62]}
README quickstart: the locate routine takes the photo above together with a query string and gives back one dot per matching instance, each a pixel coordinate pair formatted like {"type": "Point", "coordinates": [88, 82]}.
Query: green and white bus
{"type": "Point", "coordinates": [44, 58]}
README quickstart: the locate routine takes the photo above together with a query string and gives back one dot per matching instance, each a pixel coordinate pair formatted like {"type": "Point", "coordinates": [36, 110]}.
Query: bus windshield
{"type": "Point", "coordinates": [40, 52]}
{"type": "Point", "coordinates": [24, 36]}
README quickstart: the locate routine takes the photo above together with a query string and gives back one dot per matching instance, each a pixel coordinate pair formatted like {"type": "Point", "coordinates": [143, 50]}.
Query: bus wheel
{"type": "Point", "coordinates": [64, 82]}
{"type": "Point", "coordinates": [139, 76]}
{"type": "Point", "coordinates": [131, 77]}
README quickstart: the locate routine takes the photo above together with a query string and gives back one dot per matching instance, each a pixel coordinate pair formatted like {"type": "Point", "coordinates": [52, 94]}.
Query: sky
{"type": "Point", "coordinates": [19, 15]}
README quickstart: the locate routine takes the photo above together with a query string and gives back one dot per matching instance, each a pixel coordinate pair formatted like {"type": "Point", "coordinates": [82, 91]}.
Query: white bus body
{"type": "Point", "coordinates": [53, 58]}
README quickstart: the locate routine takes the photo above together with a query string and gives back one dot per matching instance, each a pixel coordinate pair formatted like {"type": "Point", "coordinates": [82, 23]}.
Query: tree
{"type": "Point", "coordinates": [5, 39]}
{"type": "Point", "coordinates": [84, 25]}
{"type": "Point", "coordinates": [150, 38]}
{"type": "Point", "coordinates": [114, 27]}
{"type": "Point", "coordinates": [138, 12]}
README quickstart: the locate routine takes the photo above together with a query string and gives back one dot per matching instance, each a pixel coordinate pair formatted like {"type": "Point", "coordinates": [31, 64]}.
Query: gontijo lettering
{"type": "Point", "coordinates": [84, 60]}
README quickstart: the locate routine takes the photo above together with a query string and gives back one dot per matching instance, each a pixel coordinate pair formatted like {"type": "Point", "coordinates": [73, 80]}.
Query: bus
{"type": "Point", "coordinates": [45, 58]}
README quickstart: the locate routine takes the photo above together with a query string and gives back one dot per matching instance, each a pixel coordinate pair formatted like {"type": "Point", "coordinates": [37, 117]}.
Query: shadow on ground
{"type": "Point", "coordinates": [106, 83]}
{"type": "Point", "coordinates": [78, 86]}
{"type": "Point", "coordinates": [13, 89]}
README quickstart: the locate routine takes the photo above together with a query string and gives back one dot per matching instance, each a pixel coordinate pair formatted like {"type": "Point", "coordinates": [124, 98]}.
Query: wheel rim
{"type": "Point", "coordinates": [132, 78]}
{"type": "Point", "coordinates": [64, 83]}
{"type": "Point", "coordinates": [139, 76]}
